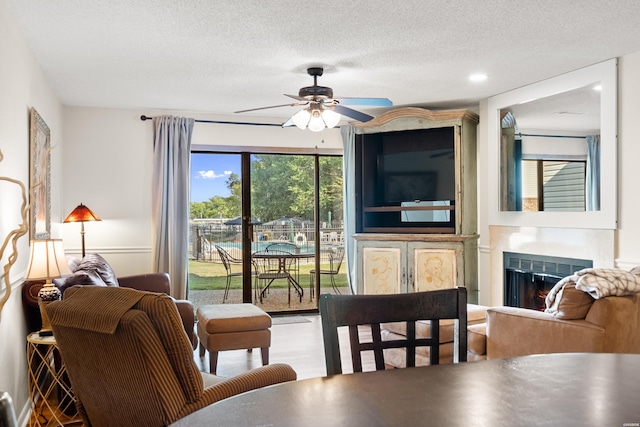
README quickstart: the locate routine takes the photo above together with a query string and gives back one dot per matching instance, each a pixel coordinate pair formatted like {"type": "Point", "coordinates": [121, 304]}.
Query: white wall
{"type": "Point", "coordinates": [627, 237]}
{"type": "Point", "coordinates": [22, 86]}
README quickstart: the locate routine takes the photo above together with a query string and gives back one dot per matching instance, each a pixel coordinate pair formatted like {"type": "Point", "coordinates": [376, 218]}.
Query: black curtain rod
{"type": "Point", "coordinates": [549, 136]}
{"type": "Point", "coordinates": [144, 118]}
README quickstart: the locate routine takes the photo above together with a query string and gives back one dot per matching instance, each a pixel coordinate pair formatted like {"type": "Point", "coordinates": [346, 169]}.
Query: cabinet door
{"type": "Point", "coordinates": [383, 268]}
{"type": "Point", "coordinates": [432, 268]}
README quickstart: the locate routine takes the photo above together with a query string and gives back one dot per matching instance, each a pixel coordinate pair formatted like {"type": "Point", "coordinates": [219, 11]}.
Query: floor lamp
{"type": "Point", "coordinates": [81, 214]}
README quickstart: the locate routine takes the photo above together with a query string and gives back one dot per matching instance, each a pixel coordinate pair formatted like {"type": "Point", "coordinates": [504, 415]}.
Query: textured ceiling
{"type": "Point", "coordinates": [219, 57]}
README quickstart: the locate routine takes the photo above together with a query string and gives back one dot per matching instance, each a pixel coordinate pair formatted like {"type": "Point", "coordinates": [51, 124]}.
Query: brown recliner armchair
{"type": "Point", "coordinates": [130, 364]}
{"type": "Point", "coordinates": [93, 269]}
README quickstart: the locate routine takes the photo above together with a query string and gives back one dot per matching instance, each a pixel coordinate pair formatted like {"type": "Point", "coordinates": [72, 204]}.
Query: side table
{"type": "Point", "coordinates": [52, 400]}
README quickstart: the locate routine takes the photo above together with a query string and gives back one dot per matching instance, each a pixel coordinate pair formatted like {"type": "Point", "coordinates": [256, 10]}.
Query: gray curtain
{"type": "Point", "coordinates": [592, 189]}
{"type": "Point", "coordinates": [348, 170]}
{"type": "Point", "coordinates": [170, 199]}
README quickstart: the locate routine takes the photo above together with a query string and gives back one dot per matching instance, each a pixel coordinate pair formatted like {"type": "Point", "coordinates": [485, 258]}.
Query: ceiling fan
{"type": "Point", "coordinates": [322, 109]}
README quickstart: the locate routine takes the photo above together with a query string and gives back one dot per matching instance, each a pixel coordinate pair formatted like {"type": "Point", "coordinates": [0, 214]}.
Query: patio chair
{"type": "Point", "coordinates": [367, 311]}
{"type": "Point", "coordinates": [281, 246]}
{"type": "Point", "coordinates": [290, 248]}
{"type": "Point", "coordinates": [335, 262]}
{"type": "Point", "coordinates": [228, 261]}
{"type": "Point", "coordinates": [273, 265]}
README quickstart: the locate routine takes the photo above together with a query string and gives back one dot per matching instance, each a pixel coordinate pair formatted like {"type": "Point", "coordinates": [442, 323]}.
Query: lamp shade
{"type": "Point", "coordinates": [47, 260]}
{"type": "Point", "coordinates": [82, 213]}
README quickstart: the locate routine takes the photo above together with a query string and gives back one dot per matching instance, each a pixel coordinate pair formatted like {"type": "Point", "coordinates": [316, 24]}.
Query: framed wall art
{"type": "Point", "coordinates": [40, 177]}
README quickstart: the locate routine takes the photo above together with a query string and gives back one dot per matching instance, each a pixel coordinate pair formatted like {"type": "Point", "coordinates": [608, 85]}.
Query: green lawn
{"type": "Point", "coordinates": [212, 276]}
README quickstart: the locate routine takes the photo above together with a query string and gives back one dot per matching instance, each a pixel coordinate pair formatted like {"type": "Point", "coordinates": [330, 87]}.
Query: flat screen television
{"type": "Point", "coordinates": [412, 186]}
{"type": "Point", "coordinates": [416, 166]}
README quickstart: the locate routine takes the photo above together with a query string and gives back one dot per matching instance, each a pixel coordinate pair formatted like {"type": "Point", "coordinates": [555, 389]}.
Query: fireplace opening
{"type": "Point", "coordinates": [529, 278]}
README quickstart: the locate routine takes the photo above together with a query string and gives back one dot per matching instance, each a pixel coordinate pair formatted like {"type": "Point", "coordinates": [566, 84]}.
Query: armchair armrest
{"type": "Point", "coordinates": [517, 332]}
{"type": "Point", "coordinates": [252, 380]}
{"type": "Point", "coordinates": [152, 282]}
{"type": "Point", "coordinates": [187, 314]}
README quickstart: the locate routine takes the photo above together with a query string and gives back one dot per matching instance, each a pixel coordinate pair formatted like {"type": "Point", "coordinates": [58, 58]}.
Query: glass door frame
{"type": "Point", "coordinates": [247, 226]}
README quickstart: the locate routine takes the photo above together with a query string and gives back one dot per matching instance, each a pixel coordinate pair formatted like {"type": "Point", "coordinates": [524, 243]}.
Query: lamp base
{"type": "Point", "coordinates": [47, 294]}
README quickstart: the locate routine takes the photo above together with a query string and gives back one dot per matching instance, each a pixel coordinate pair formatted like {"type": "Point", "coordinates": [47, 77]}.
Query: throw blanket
{"type": "Point", "coordinates": [78, 308]}
{"type": "Point", "coordinates": [604, 282]}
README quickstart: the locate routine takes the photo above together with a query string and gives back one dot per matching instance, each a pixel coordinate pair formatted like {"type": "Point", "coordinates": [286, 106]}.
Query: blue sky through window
{"type": "Point", "coordinates": [209, 173]}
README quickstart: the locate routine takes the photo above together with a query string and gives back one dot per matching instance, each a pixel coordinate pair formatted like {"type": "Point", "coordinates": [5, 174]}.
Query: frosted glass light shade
{"type": "Point", "coordinates": [316, 124]}
{"type": "Point", "coordinates": [301, 118]}
{"type": "Point", "coordinates": [331, 118]}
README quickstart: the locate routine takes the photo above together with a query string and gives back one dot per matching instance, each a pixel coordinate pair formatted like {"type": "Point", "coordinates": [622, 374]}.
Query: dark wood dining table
{"type": "Point", "coordinates": [570, 389]}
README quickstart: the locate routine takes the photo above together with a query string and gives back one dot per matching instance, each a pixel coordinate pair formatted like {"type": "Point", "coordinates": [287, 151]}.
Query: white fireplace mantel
{"type": "Point", "coordinates": [592, 244]}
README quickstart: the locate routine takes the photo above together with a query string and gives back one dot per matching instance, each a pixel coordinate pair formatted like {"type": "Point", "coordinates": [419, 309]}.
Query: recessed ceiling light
{"type": "Point", "coordinates": [478, 77]}
{"type": "Point", "coordinates": [597, 87]}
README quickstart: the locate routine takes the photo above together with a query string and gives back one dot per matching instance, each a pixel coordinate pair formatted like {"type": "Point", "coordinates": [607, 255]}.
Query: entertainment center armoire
{"type": "Point", "coordinates": [416, 201]}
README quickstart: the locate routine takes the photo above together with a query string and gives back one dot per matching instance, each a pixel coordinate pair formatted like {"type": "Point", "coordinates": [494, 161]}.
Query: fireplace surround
{"type": "Point", "coordinates": [529, 277]}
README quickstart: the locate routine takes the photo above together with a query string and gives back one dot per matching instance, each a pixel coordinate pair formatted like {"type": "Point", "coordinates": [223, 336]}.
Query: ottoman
{"type": "Point", "coordinates": [232, 327]}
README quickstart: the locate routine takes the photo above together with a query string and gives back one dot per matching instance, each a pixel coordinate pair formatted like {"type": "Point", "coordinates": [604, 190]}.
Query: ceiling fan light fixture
{"type": "Point", "coordinates": [301, 118]}
{"type": "Point", "coordinates": [330, 117]}
{"type": "Point", "coordinates": [316, 124]}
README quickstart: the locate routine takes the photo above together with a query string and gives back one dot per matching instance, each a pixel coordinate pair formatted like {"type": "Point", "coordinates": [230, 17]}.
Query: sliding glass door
{"type": "Point", "coordinates": [254, 235]}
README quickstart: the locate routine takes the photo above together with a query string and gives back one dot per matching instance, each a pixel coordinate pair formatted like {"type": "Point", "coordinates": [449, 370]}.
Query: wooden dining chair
{"type": "Point", "coordinates": [359, 312]}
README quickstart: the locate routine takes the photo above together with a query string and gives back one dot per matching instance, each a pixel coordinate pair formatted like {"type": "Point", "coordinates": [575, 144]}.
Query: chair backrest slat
{"type": "Point", "coordinates": [374, 310]}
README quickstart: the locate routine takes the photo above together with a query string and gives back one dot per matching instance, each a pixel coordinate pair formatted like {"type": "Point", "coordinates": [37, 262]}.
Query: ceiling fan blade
{"type": "Point", "coordinates": [272, 106]}
{"type": "Point", "coordinates": [288, 123]}
{"type": "Point", "coordinates": [299, 98]}
{"type": "Point", "coordinates": [346, 111]}
{"type": "Point", "coordinates": [374, 102]}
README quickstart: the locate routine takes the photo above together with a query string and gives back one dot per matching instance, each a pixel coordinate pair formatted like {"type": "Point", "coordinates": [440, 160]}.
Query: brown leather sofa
{"type": "Point", "coordinates": [610, 325]}
{"type": "Point", "coordinates": [93, 269]}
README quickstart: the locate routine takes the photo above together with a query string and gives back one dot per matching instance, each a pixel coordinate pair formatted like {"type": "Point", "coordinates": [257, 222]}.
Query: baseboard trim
{"type": "Point", "coordinates": [25, 414]}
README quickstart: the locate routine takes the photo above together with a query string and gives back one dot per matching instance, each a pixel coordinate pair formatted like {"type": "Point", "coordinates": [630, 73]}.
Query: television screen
{"type": "Point", "coordinates": [402, 187]}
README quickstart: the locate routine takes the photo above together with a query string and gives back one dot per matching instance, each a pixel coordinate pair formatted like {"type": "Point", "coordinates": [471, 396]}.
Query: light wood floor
{"type": "Point", "coordinates": [296, 344]}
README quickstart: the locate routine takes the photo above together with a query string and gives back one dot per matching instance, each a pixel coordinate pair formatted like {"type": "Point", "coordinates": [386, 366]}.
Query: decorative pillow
{"type": "Point", "coordinates": [73, 262]}
{"type": "Point", "coordinates": [97, 264]}
{"type": "Point", "coordinates": [569, 303]}
{"type": "Point", "coordinates": [82, 277]}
